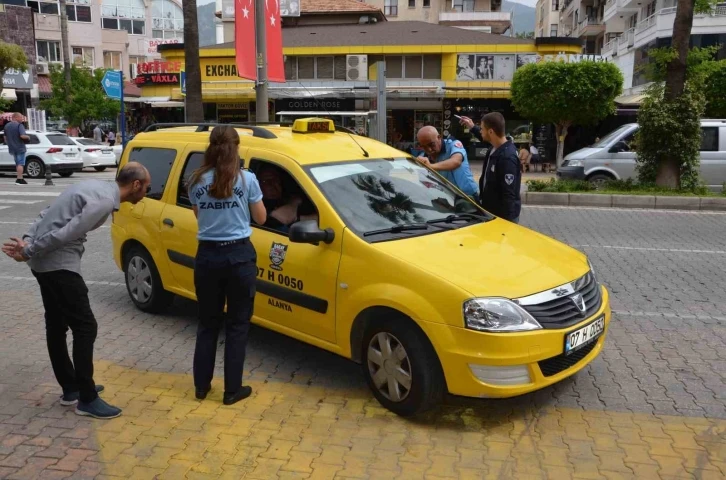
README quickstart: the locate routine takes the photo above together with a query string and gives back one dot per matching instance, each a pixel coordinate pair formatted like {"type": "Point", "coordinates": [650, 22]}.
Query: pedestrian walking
{"type": "Point", "coordinates": [448, 157]}
{"type": "Point", "coordinates": [15, 138]}
{"type": "Point", "coordinates": [98, 134]}
{"type": "Point", "coordinates": [53, 247]}
{"type": "Point", "coordinates": [111, 138]}
{"type": "Point", "coordinates": [223, 198]}
{"type": "Point", "coordinates": [502, 176]}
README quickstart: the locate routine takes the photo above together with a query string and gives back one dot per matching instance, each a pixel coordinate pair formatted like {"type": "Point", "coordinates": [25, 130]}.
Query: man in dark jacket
{"type": "Point", "coordinates": [502, 176]}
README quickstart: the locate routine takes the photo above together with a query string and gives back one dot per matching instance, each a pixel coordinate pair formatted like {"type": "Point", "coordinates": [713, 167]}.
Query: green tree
{"type": "Point", "coordinates": [670, 129]}
{"type": "Point", "coordinates": [714, 89]}
{"type": "Point", "coordinates": [88, 100]}
{"type": "Point", "coordinates": [669, 165]}
{"type": "Point", "coordinates": [524, 35]}
{"type": "Point", "coordinates": [566, 94]}
{"type": "Point", "coordinates": [11, 57]}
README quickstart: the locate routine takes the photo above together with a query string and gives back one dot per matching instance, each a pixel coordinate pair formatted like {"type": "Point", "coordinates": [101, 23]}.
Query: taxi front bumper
{"type": "Point", "coordinates": [500, 365]}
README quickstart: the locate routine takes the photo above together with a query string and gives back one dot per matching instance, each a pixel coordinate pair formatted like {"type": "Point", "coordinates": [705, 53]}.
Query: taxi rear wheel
{"type": "Point", "coordinates": [401, 367]}
{"type": "Point", "coordinates": [144, 283]}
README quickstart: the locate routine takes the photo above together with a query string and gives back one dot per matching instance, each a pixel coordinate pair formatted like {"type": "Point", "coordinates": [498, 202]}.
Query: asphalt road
{"type": "Point", "coordinates": [665, 355]}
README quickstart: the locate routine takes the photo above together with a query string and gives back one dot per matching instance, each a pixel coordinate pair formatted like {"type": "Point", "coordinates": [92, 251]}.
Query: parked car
{"type": "Point", "coordinates": [56, 151]}
{"type": "Point", "coordinates": [613, 157]}
{"type": "Point", "coordinates": [95, 154]}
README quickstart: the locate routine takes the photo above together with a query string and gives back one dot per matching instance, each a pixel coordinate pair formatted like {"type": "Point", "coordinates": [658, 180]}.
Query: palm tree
{"type": "Point", "coordinates": [194, 109]}
{"type": "Point", "coordinates": [383, 199]}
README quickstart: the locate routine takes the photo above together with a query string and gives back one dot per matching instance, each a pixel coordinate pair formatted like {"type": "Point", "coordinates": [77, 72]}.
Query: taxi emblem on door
{"type": "Point", "coordinates": [277, 255]}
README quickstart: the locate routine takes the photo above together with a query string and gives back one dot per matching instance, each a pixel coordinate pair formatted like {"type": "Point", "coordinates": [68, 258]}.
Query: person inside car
{"type": "Point", "coordinates": [284, 206]}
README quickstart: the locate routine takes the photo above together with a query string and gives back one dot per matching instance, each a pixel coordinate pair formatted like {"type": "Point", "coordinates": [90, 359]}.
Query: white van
{"type": "Point", "coordinates": [613, 159]}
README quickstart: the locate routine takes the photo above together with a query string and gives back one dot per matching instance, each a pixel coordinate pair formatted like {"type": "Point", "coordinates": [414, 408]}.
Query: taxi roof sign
{"type": "Point", "coordinates": [313, 125]}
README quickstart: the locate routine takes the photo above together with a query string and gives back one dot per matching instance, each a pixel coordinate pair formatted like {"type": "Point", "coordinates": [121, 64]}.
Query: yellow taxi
{"type": "Point", "coordinates": [383, 262]}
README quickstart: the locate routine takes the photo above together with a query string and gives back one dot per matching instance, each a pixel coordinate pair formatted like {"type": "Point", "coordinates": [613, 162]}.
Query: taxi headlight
{"type": "Point", "coordinates": [592, 270]}
{"type": "Point", "coordinates": [497, 315]}
{"type": "Point", "coordinates": [575, 163]}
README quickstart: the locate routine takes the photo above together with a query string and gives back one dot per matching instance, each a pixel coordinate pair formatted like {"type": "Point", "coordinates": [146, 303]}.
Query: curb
{"type": "Point", "coordinates": [651, 202]}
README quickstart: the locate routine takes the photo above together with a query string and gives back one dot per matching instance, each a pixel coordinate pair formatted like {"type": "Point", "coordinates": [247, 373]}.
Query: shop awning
{"type": "Point", "coordinates": [146, 99]}
{"type": "Point", "coordinates": [9, 94]}
{"type": "Point", "coordinates": [636, 99]}
{"type": "Point", "coordinates": [317, 113]}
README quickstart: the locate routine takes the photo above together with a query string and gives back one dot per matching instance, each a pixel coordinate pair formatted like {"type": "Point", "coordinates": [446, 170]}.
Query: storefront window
{"type": "Point", "coordinates": [167, 19]}
{"type": "Point", "coordinates": [126, 15]}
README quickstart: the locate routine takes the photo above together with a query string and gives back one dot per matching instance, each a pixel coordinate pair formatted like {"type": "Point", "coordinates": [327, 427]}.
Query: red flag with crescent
{"type": "Point", "coordinates": [244, 39]}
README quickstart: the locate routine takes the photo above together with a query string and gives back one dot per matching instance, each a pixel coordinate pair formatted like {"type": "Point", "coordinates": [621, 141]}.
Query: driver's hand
{"type": "Point", "coordinates": [466, 122]}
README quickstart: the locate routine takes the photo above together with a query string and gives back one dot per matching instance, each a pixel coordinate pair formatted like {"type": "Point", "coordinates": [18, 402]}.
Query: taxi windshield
{"type": "Point", "coordinates": [394, 196]}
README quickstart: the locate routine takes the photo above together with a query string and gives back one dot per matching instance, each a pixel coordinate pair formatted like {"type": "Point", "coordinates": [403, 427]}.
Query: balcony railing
{"type": "Point", "coordinates": [646, 24]}
{"type": "Point", "coordinates": [626, 40]}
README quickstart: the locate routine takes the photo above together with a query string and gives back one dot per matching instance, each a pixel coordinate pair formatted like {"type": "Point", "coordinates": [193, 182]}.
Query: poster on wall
{"type": "Point", "coordinates": [503, 67]}
{"type": "Point", "coordinates": [524, 59]}
{"type": "Point", "coordinates": [485, 67]}
{"type": "Point", "coordinates": [465, 67]}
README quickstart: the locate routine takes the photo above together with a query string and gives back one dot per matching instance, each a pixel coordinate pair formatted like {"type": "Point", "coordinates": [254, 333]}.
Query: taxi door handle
{"type": "Point", "coordinates": [168, 221]}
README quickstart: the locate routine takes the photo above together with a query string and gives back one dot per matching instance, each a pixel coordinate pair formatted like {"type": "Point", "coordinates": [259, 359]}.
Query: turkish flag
{"type": "Point", "coordinates": [273, 22]}
{"type": "Point", "coordinates": [244, 39]}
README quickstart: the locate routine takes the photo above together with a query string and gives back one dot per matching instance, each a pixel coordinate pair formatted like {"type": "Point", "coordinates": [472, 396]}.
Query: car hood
{"type": "Point", "coordinates": [583, 153]}
{"type": "Point", "coordinates": [497, 258]}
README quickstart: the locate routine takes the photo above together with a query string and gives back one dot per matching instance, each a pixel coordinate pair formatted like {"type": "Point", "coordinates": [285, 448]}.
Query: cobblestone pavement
{"type": "Point", "coordinates": [653, 405]}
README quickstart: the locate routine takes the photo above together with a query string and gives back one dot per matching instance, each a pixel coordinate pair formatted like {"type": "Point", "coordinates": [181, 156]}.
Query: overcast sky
{"type": "Point", "coordinates": [530, 3]}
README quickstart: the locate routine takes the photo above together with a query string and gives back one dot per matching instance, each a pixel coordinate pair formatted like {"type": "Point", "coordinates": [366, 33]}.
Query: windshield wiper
{"type": "Point", "coordinates": [458, 216]}
{"type": "Point", "coordinates": [398, 229]}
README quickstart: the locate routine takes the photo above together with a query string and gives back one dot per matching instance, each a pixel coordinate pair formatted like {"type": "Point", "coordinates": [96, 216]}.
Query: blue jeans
{"type": "Point", "coordinates": [19, 159]}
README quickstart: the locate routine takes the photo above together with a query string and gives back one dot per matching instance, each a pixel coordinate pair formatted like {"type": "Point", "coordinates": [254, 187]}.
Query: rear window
{"type": "Point", "coordinates": [158, 161]}
{"type": "Point", "coordinates": [194, 161]}
{"type": "Point", "coordinates": [60, 140]}
{"type": "Point", "coordinates": [88, 141]}
{"type": "Point", "coordinates": [709, 139]}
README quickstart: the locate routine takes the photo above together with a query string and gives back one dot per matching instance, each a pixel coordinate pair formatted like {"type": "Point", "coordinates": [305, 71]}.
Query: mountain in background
{"type": "Point", "coordinates": [523, 16]}
{"type": "Point", "coordinates": [205, 20]}
{"type": "Point", "coordinates": [523, 20]}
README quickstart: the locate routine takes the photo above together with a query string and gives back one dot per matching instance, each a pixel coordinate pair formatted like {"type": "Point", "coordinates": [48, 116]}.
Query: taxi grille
{"type": "Point", "coordinates": [560, 363]}
{"type": "Point", "coordinates": [562, 312]}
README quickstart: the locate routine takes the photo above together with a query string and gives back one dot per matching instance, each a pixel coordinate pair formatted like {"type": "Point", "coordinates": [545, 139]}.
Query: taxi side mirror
{"type": "Point", "coordinates": [307, 231]}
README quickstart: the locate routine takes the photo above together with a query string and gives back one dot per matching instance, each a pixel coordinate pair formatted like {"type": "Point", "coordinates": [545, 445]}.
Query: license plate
{"type": "Point", "coordinates": [585, 335]}
{"type": "Point", "coordinates": [106, 150]}
{"type": "Point", "coordinates": [70, 154]}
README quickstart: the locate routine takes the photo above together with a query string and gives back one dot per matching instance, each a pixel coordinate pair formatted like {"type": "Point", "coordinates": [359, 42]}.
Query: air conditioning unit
{"type": "Point", "coordinates": [43, 69]}
{"type": "Point", "coordinates": [356, 68]}
{"type": "Point", "coordinates": [134, 70]}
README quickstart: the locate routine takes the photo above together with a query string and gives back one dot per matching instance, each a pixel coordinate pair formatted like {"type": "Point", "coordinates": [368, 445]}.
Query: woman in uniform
{"type": "Point", "coordinates": [224, 197]}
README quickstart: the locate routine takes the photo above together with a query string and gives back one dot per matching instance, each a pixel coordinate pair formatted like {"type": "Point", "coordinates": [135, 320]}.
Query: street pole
{"type": "Point", "coordinates": [262, 112]}
{"type": "Point", "coordinates": [381, 108]}
{"type": "Point", "coordinates": [123, 113]}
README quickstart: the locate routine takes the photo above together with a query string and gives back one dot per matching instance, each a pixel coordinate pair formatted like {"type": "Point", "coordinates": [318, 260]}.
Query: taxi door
{"type": "Point", "coordinates": [178, 225]}
{"type": "Point", "coordinates": [296, 282]}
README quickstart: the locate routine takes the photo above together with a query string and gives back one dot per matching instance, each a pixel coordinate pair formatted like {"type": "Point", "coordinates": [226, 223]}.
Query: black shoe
{"type": "Point", "coordinates": [71, 398]}
{"type": "Point", "coordinates": [20, 181]}
{"type": "Point", "coordinates": [241, 394]}
{"type": "Point", "coordinates": [97, 409]}
{"type": "Point", "coordinates": [201, 393]}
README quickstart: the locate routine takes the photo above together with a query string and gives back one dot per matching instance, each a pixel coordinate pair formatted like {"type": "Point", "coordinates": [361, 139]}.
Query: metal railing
{"type": "Point", "coordinates": [646, 24]}
{"type": "Point", "coordinates": [626, 39]}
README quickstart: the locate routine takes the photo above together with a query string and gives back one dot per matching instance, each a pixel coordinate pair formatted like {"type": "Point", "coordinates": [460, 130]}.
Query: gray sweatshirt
{"type": "Point", "coordinates": [55, 240]}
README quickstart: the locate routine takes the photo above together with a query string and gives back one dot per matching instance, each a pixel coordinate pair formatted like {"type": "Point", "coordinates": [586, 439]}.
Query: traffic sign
{"type": "Point", "coordinates": [183, 82]}
{"type": "Point", "coordinates": [112, 84]}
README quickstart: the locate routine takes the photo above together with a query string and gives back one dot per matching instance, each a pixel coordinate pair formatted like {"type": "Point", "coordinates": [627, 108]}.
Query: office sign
{"type": "Point", "coordinates": [18, 79]}
{"type": "Point", "coordinates": [157, 79]}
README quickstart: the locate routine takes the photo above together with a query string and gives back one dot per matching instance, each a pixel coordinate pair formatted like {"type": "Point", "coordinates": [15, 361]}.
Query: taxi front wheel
{"type": "Point", "coordinates": [401, 368]}
{"type": "Point", "coordinates": [144, 283]}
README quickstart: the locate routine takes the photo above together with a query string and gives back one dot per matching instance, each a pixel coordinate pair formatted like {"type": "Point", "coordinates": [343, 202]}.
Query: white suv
{"type": "Point", "coordinates": [45, 150]}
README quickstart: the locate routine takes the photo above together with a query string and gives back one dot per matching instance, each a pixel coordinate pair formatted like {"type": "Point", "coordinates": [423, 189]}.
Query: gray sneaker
{"type": "Point", "coordinates": [97, 409]}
